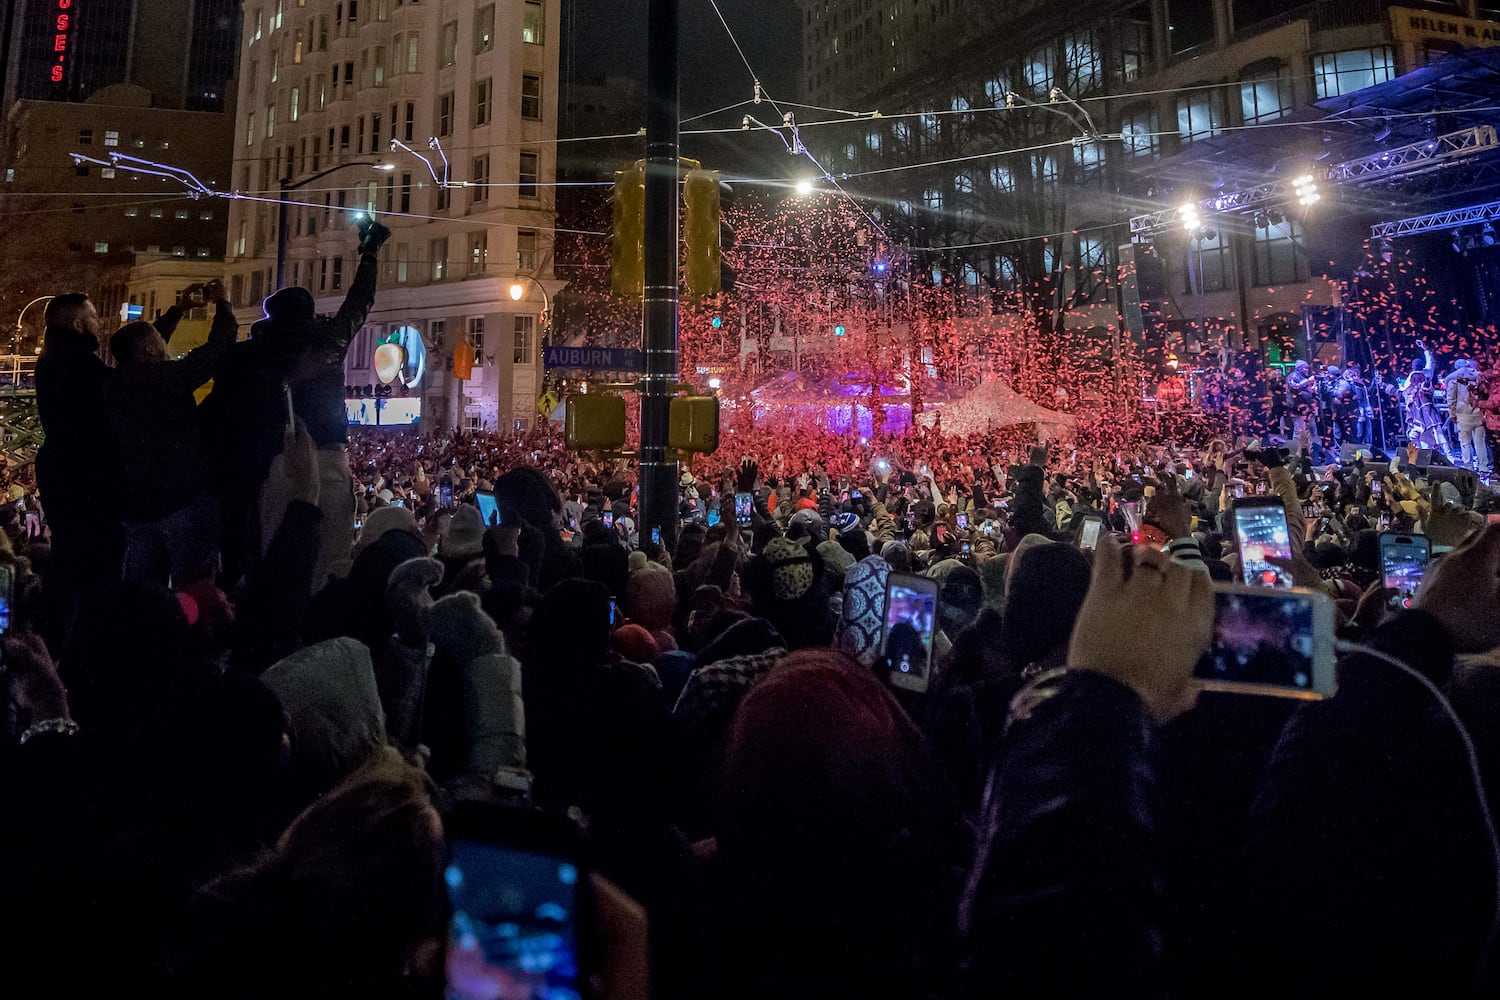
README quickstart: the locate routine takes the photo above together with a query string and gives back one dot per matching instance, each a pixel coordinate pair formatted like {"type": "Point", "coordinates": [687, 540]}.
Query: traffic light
{"type": "Point", "coordinates": [693, 423]}
{"type": "Point", "coordinates": [628, 231]}
{"type": "Point", "coordinates": [595, 421]}
{"type": "Point", "coordinates": [700, 193]}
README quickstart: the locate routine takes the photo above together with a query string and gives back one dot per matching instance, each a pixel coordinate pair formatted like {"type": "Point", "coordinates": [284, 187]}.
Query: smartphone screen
{"type": "Point", "coordinates": [962, 520]}
{"type": "Point", "coordinates": [713, 517]}
{"type": "Point", "coordinates": [744, 503]}
{"type": "Point", "coordinates": [489, 508]}
{"type": "Point", "coordinates": [655, 536]}
{"type": "Point", "coordinates": [609, 518]}
{"type": "Point", "coordinates": [964, 548]}
{"type": "Point", "coordinates": [1275, 642]}
{"type": "Point", "coordinates": [614, 610]}
{"type": "Point", "coordinates": [1403, 563]}
{"type": "Point", "coordinates": [1261, 532]}
{"type": "Point", "coordinates": [445, 496]}
{"type": "Point", "coordinates": [910, 621]}
{"type": "Point", "coordinates": [513, 929]}
{"type": "Point", "coordinates": [1088, 534]}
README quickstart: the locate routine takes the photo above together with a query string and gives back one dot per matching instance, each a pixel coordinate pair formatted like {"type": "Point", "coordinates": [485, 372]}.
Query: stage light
{"type": "Point", "coordinates": [1487, 234]}
{"type": "Point", "coordinates": [1306, 189]}
{"type": "Point", "coordinates": [1261, 221]}
{"type": "Point", "coordinates": [715, 383]}
{"type": "Point", "coordinates": [804, 188]}
{"type": "Point", "coordinates": [1458, 244]}
{"type": "Point", "coordinates": [1191, 220]}
{"type": "Point", "coordinates": [881, 267]}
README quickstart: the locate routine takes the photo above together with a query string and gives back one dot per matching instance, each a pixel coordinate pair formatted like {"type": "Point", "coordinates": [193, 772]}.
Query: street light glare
{"type": "Point", "coordinates": [385, 166]}
{"type": "Point", "coordinates": [516, 291]}
{"type": "Point", "coordinates": [804, 188]}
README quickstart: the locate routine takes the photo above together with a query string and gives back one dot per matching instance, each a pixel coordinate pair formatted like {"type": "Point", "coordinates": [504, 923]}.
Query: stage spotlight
{"type": "Point", "coordinates": [1261, 222]}
{"type": "Point", "coordinates": [1191, 220]}
{"type": "Point", "coordinates": [1487, 234]}
{"type": "Point", "coordinates": [1458, 243]}
{"type": "Point", "coordinates": [1306, 189]}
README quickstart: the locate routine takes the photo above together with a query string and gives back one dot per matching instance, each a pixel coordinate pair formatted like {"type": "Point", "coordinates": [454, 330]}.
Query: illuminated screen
{"type": "Point", "coordinates": [1403, 567]}
{"type": "Point", "coordinates": [398, 412]}
{"type": "Point", "coordinates": [512, 932]}
{"type": "Point", "coordinates": [1261, 639]}
{"type": "Point", "coordinates": [1263, 535]}
{"type": "Point", "coordinates": [909, 619]}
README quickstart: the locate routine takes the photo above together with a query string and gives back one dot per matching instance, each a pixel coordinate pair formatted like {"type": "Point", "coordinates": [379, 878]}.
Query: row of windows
{"type": "Point", "coordinates": [102, 246]}
{"type": "Point", "coordinates": [346, 17]}
{"type": "Point", "coordinates": [1277, 255]}
{"type": "Point", "coordinates": [112, 139]}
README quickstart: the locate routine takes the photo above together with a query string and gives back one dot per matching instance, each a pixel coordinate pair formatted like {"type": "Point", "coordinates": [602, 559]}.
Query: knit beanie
{"type": "Point", "coordinates": [845, 522]}
{"type": "Point", "coordinates": [864, 609]}
{"type": "Point", "coordinates": [790, 567]}
{"type": "Point", "coordinates": [385, 519]}
{"type": "Point", "coordinates": [328, 691]}
{"type": "Point", "coordinates": [465, 536]}
{"type": "Point", "coordinates": [634, 643]}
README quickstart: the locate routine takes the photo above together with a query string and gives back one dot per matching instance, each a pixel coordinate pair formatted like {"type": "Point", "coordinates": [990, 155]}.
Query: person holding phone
{"type": "Point", "coordinates": [292, 346]}
{"type": "Point", "coordinates": [170, 514]}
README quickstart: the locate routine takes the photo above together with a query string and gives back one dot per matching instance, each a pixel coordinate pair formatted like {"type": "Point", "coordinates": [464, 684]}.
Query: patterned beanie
{"type": "Point", "coordinates": [864, 609]}
{"type": "Point", "coordinates": [791, 569]}
{"type": "Point", "coordinates": [846, 521]}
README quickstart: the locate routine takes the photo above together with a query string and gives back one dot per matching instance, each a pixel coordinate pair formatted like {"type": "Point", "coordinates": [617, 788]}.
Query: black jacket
{"type": "Point", "coordinates": [78, 467]}
{"type": "Point", "coordinates": [1367, 867]}
{"type": "Point", "coordinates": [154, 416]}
{"type": "Point", "coordinates": [1065, 899]}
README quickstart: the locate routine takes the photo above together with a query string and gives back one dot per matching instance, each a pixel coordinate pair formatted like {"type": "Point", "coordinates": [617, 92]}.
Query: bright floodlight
{"type": "Point", "coordinates": [804, 188]}
{"type": "Point", "coordinates": [1306, 189]}
{"type": "Point", "coordinates": [517, 291]}
{"type": "Point", "coordinates": [1191, 220]}
{"type": "Point", "coordinates": [714, 383]}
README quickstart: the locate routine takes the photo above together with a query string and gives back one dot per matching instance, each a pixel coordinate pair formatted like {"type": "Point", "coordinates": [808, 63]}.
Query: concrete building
{"type": "Point", "coordinates": [67, 226]}
{"type": "Point", "coordinates": [1042, 121]}
{"type": "Point", "coordinates": [326, 87]}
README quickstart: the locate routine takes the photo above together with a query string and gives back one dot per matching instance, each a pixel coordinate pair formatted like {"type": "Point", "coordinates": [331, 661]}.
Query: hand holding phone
{"type": "Point", "coordinates": [1276, 642]}
{"type": "Point", "coordinates": [1403, 563]}
{"type": "Point", "coordinates": [910, 627]}
{"type": "Point", "coordinates": [1261, 534]}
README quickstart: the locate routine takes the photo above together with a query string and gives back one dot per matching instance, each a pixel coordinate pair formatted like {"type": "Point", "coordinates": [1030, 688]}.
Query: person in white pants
{"type": "Point", "coordinates": [1468, 418]}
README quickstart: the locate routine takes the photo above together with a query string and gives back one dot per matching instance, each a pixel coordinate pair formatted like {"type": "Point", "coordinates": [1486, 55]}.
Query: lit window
{"type": "Point", "coordinates": [156, 213]}
{"type": "Point", "coordinates": [1138, 132]}
{"type": "Point", "coordinates": [181, 213]}
{"type": "Point", "coordinates": [132, 212]}
{"type": "Point", "coordinates": [101, 247]}
{"type": "Point", "coordinates": [1041, 69]}
{"type": "Point", "coordinates": [533, 21]}
{"type": "Point", "coordinates": [1199, 115]}
{"type": "Point", "coordinates": [1265, 92]}
{"type": "Point", "coordinates": [1002, 178]}
{"type": "Point", "coordinates": [205, 214]}
{"type": "Point", "coordinates": [479, 175]}
{"type": "Point", "coordinates": [526, 249]}
{"type": "Point", "coordinates": [438, 252]}
{"type": "Point", "coordinates": [107, 172]}
{"type": "Point", "coordinates": [179, 251]}
{"type": "Point", "coordinates": [479, 252]}
{"type": "Point", "coordinates": [111, 138]}
{"type": "Point", "coordinates": [1081, 55]}
{"type": "Point", "coordinates": [1338, 73]}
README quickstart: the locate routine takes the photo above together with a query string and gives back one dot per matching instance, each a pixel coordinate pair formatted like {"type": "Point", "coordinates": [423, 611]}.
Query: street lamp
{"type": "Point", "coordinates": [287, 187]}
{"type": "Point", "coordinates": [518, 292]}
{"type": "Point", "coordinates": [15, 340]}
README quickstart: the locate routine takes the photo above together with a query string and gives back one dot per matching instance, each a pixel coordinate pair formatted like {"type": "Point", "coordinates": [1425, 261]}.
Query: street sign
{"type": "Point", "coordinates": [546, 404]}
{"type": "Point", "coordinates": [610, 359]}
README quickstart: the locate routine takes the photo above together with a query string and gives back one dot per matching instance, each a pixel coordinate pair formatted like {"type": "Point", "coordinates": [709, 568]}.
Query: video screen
{"type": "Point", "coordinates": [1403, 567]}
{"type": "Point", "coordinates": [1261, 639]}
{"type": "Point", "coordinates": [1263, 535]}
{"type": "Point", "coordinates": [512, 934]}
{"type": "Point", "coordinates": [397, 412]}
{"type": "Point", "coordinates": [489, 509]}
{"type": "Point", "coordinates": [909, 619]}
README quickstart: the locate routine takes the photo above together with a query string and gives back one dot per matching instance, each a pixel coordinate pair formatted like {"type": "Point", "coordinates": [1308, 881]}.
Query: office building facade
{"type": "Point", "coordinates": [468, 93]}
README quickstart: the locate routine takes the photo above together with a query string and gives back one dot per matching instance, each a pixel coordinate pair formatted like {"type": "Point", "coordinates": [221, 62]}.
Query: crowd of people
{"type": "Point", "coordinates": [260, 678]}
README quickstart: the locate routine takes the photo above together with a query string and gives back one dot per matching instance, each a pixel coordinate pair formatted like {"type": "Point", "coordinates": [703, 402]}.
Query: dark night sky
{"type": "Point", "coordinates": [608, 38]}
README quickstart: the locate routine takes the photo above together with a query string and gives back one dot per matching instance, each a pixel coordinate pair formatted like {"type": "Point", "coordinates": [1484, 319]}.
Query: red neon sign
{"type": "Point", "coordinates": [63, 27]}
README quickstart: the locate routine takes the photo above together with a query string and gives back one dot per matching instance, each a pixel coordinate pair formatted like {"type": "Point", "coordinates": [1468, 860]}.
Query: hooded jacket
{"type": "Point", "coordinates": [78, 466]}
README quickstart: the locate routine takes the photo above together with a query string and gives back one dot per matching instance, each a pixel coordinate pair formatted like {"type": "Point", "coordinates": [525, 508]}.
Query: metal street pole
{"type": "Point", "coordinates": [287, 187]}
{"type": "Point", "coordinates": [659, 305]}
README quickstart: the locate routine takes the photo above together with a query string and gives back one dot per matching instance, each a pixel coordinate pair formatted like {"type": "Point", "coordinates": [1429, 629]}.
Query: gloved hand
{"type": "Point", "coordinates": [458, 626]}
{"type": "Point", "coordinates": [371, 236]}
{"type": "Point", "coordinates": [408, 596]}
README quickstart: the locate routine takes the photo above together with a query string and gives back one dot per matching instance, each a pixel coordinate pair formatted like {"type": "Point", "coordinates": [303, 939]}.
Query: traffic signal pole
{"type": "Point", "coordinates": [658, 474]}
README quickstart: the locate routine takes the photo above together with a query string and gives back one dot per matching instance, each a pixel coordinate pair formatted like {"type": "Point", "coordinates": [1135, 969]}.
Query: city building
{"type": "Point", "coordinates": [441, 119]}
{"type": "Point", "coordinates": [68, 226]}
{"type": "Point", "coordinates": [1043, 125]}
{"type": "Point", "coordinates": [182, 51]}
